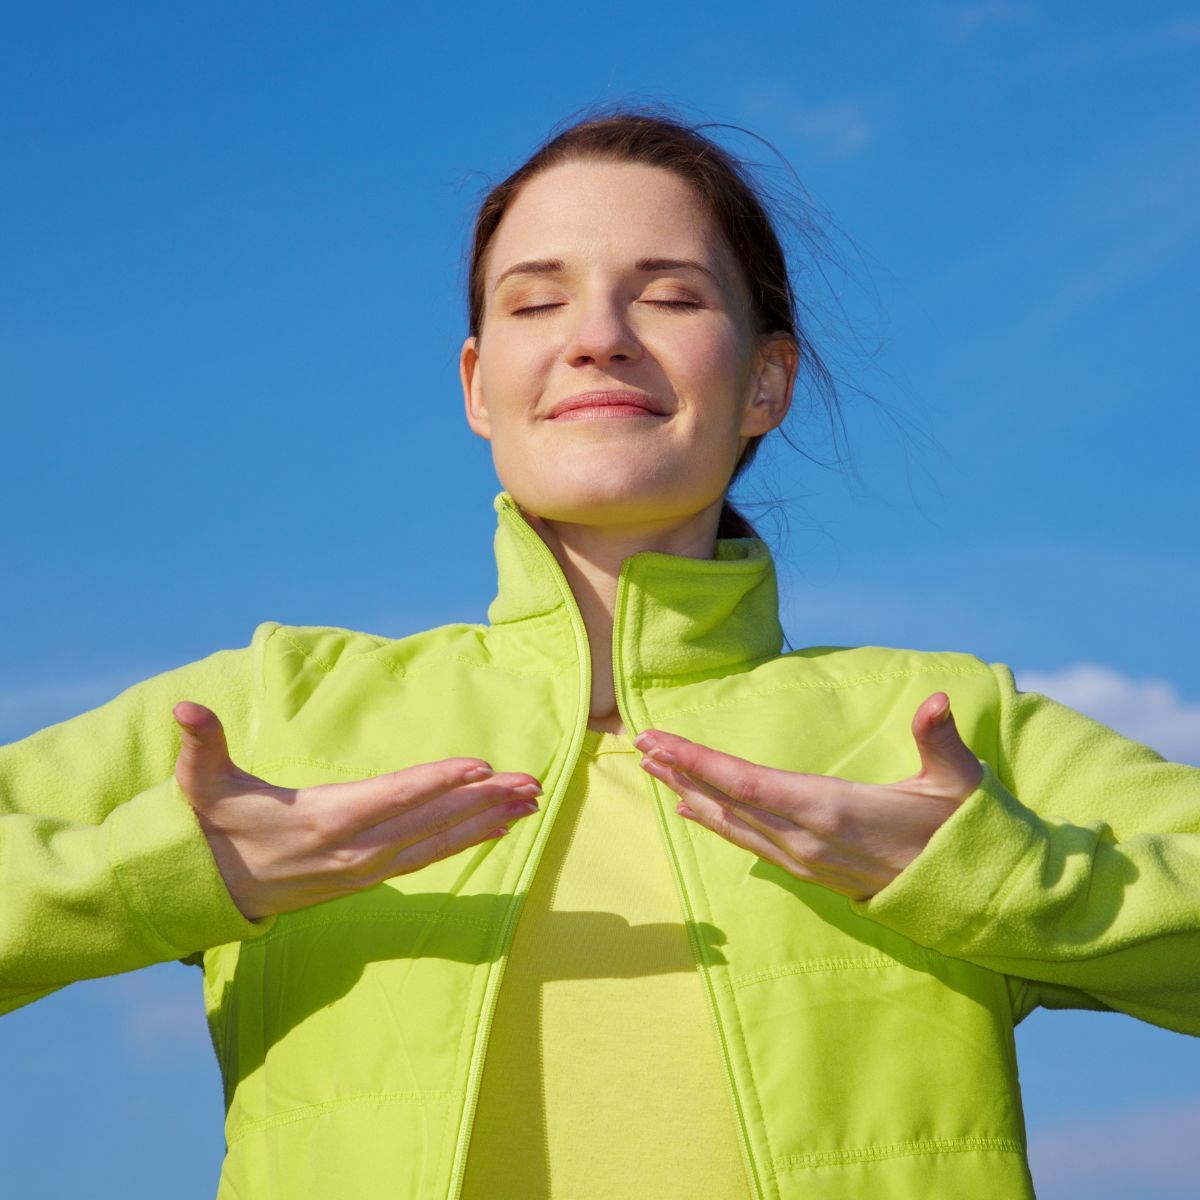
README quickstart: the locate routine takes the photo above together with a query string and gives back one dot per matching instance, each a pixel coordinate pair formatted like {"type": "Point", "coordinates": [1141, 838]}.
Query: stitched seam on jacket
{"type": "Point", "coordinates": [355, 918]}
{"type": "Point", "coordinates": [306, 654]}
{"type": "Point", "coordinates": [811, 967]}
{"type": "Point", "coordinates": [804, 684]}
{"type": "Point", "coordinates": [310, 1111]}
{"type": "Point", "coordinates": [762, 1173]}
{"type": "Point", "coordinates": [741, 1028]}
{"type": "Point", "coordinates": [401, 671]}
{"type": "Point", "coordinates": [118, 870]}
{"type": "Point", "coordinates": [382, 644]}
{"type": "Point", "coordinates": [1027, 862]}
{"type": "Point", "coordinates": [681, 678]}
{"type": "Point", "coordinates": [1028, 859]}
{"type": "Point", "coordinates": [259, 693]}
{"type": "Point", "coordinates": [546, 617]}
{"type": "Point", "coordinates": [351, 770]}
{"type": "Point", "coordinates": [913, 1149]}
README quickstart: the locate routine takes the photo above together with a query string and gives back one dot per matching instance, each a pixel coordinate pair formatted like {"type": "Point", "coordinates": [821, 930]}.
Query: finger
{"type": "Point", "coordinates": [364, 803]}
{"type": "Point", "coordinates": [735, 821]}
{"type": "Point", "coordinates": [770, 824]}
{"type": "Point", "coordinates": [500, 796]}
{"type": "Point", "coordinates": [203, 760]}
{"type": "Point", "coordinates": [786, 793]}
{"type": "Point", "coordinates": [474, 830]}
{"type": "Point", "coordinates": [727, 821]}
{"type": "Point", "coordinates": [947, 763]}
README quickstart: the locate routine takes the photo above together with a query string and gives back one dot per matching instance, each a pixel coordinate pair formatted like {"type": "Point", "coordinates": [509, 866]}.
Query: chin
{"type": "Point", "coordinates": [602, 504]}
{"type": "Point", "coordinates": [626, 488]}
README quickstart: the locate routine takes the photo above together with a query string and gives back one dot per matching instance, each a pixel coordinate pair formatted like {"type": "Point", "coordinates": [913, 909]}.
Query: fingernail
{"type": "Point", "coordinates": [684, 811]}
{"type": "Point", "coordinates": [530, 806]}
{"type": "Point", "coordinates": [943, 715]}
{"type": "Point", "coordinates": [475, 774]}
{"type": "Point", "coordinates": [643, 741]}
{"type": "Point", "coordinates": [662, 756]}
{"type": "Point", "coordinates": [527, 789]}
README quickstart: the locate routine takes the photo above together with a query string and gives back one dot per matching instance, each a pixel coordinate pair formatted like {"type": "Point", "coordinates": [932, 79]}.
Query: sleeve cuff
{"type": "Point", "coordinates": [963, 875]}
{"type": "Point", "coordinates": [169, 877]}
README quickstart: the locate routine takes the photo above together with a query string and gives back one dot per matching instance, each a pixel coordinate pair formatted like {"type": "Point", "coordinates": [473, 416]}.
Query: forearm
{"type": "Point", "coordinates": [87, 900]}
{"type": "Point", "coordinates": [1076, 864]}
{"type": "Point", "coordinates": [103, 865]}
{"type": "Point", "coordinates": [1058, 903]}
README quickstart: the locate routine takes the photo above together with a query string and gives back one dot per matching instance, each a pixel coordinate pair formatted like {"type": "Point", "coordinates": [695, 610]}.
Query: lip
{"type": "Point", "coordinates": [600, 399]}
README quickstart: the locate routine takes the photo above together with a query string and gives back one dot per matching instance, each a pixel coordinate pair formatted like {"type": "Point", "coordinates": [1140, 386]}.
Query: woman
{"type": "Point", "coordinates": [736, 960]}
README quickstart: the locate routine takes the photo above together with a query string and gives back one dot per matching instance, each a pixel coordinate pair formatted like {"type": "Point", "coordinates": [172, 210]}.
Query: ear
{"type": "Point", "coordinates": [472, 385]}
{"type": "Point", "coordinates": [768, 404]}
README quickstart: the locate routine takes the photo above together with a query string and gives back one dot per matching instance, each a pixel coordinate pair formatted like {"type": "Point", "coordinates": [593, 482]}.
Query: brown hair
{"type": "Point", "coordinates": [734, 204]}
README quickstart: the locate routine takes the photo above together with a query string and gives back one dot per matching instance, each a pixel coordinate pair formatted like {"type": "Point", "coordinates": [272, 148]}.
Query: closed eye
{"type": "Point", "coordinates": [534, 310]}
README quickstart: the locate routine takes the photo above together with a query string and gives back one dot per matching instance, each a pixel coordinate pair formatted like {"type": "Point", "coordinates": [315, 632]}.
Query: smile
{"type": "Point", "coordinates": [606, 405]}
{"type": "Point", "coordinates": [605, 412]}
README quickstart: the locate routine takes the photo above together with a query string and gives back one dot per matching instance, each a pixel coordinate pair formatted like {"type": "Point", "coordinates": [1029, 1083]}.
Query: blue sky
{"type": "Point", "coordinates": [230, 316]}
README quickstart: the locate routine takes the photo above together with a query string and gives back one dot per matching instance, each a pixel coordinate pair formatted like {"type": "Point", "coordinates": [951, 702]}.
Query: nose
{"type": "Point", "coordinates": [601, 334]}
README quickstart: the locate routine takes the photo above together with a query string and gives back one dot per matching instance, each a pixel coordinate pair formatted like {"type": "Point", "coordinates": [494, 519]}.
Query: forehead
{"type": "Point", "coordinates": [582, 212]}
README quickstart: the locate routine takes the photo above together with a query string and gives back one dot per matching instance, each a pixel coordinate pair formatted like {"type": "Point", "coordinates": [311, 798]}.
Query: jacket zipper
{"type": "Point", "coordinates": [496, 976]}
{"type": "Point", "coordinates": [684, 903]}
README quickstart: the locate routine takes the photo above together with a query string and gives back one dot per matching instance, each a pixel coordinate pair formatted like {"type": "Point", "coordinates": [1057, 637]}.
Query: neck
{"type": "Point", "coordinates": [591, 556]}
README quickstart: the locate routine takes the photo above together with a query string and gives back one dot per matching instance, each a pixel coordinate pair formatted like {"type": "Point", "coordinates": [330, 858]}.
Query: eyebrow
{"type": "Point", "coordinates": [554, 266]}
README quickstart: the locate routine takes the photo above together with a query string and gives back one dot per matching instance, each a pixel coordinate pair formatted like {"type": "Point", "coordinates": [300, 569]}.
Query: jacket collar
{"type": "Point", "coordinates": [675, 616]}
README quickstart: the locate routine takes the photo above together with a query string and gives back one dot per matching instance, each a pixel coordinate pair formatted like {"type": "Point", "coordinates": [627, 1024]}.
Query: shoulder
{"type": "Point", "coordinates": [870, 681]}
{"type": "Point", "coordinates": [849, 683]}
{"type": "Point", "coordinates": [844, 666]}
{"type": "Point", "coordinates": [324, 649]}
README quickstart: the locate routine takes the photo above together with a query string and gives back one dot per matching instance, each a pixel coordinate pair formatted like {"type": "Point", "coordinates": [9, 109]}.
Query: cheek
{"type": "Point", "coordinates": [496, 364]}
{"type": "Point", "coordinates": [509, 372]}
{"type": "Point", "coordinates": [713, 376]}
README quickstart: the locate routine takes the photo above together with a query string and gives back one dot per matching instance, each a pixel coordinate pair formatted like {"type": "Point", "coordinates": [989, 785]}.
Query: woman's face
{"type": "Point", "coordinates": [617, 374]}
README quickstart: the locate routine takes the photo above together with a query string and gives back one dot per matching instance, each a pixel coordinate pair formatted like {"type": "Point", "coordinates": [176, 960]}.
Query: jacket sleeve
{"type": "Point", "coordinates": [1075, 865]}
{"type": "Point", "coordinates": [103, 865]}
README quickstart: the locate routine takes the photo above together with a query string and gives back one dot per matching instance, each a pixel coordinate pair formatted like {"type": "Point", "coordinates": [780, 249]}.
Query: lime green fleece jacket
{"type": "Point", "coordinates": [867, 1047]}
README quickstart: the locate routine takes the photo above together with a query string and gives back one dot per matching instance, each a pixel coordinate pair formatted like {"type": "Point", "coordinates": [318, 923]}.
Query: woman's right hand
{"type": "Point", "coordinates": [280, 849]}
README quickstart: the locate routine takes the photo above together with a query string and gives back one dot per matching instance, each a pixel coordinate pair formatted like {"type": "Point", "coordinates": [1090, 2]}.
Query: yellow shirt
{"type": "Point", "coordinates": [602, 1076]}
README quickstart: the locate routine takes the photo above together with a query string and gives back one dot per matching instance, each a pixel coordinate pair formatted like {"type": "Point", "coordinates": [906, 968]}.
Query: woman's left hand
{"type": "Point", "coordinates": [853, 838]}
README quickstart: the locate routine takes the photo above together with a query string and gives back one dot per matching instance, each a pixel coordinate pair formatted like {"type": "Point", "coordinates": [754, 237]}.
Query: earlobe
{"type": "Point", "coordinates": [472, 385]}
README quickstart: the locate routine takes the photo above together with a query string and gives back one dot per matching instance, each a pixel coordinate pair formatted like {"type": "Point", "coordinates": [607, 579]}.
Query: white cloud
{"type": "Point", "coordinates": [1176, 33]}
{"type": "Point", "coordinates": [1150, 711]}
{"type": "Point", "coordinates": [1111, 225]}
{"type": "Point", "coordinates": [964, 23]}
{"type": "Point", "coordinates": [1123, 222]}
{"type": "Point", "coordinates": [160, 1010]}
{"type": "Point", "coordinates": [23, 710]}
{"type": "Point", "coordinates": [1182, 31]}
{"type": "Point", "coordinates": [26, 708]}
{"type": "Point", "coordinates": [1128, 45]}
{"type": "Point", "coordinates": [841, 127]}
{"type": "Point", "coordinates": [959, 23]}
{"type": "Point", "coordinates": [1150, 1153]}
{"type": "Point", "coordinates": [158, 1025]}
{"type": "Point", "coordinates": [833, 129]}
